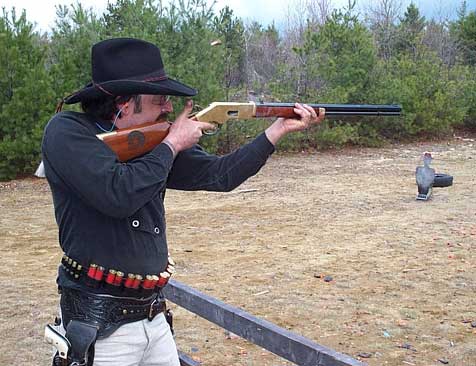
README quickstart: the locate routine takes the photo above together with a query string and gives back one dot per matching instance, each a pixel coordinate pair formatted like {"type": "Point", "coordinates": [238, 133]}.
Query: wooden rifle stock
{"type": "Point", "coordinates": [129, 143]}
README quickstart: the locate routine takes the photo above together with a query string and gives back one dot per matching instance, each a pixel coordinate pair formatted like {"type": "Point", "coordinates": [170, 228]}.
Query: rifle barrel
{"type": "Point", "coordinates": [286, 109]}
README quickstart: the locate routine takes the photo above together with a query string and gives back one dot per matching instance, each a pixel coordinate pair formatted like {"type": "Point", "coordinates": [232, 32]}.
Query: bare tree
{"type": "Point", "coordinates": [382, 17]}
{"type": "Point", "coordinates": [437, 38]}
{"type": "Point", "coordinates": [302, 17]}
{"type": "Point", "coordinates": [261, 52]}
{"type": "Point", "coordinates": [293, 37]}
{"type": "Point", "coordinates": [319, 10]}
{"type": "Point", "coordinates": [437, 34]}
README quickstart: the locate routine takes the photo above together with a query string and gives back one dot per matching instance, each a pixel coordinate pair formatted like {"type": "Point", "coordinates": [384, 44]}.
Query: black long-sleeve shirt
{"type": "Point", "coordinates": [112, 213]}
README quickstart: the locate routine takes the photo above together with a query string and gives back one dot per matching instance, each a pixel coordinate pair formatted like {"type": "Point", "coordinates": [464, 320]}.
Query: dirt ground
{"type": "Point", "coordinates": [403, 271]}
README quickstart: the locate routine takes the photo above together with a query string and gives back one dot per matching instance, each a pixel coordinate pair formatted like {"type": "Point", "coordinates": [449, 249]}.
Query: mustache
{"type": "Point", "coordinates": [162, 117]}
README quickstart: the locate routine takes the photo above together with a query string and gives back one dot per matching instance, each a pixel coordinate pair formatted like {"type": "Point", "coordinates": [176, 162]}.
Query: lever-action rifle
{"type": "Point", "coordinates": [135, 141]}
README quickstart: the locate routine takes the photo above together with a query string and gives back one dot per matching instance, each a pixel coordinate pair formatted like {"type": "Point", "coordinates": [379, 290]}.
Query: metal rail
{"type": "Point", "coordinates": [280, 341]}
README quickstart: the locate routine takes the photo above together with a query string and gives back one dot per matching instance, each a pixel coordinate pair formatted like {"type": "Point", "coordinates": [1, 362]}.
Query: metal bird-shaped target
{"type": "Point", "coordinates": [425, 176]}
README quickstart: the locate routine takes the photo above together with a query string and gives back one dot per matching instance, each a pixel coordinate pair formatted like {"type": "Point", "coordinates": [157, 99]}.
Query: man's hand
{"type": "Point", "coordinates": [185, 132]}
{"type": "Point", "coordinates": [283, 126]}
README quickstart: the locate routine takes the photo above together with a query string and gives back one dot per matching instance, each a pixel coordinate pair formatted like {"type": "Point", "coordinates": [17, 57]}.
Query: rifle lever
{"type": "Point", "coordinates": [214, 131]}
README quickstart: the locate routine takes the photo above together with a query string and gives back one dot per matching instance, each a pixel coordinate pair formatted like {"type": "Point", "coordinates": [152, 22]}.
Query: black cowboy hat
{"type": "Point", "coordinates": [128, 66]}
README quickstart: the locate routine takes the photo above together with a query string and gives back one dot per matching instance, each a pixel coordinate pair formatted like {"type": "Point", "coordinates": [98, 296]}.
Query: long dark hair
{"type": "Point", "coordinates": [106, 107]}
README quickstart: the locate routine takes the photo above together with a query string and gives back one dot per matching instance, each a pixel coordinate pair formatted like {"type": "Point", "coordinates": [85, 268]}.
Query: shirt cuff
{"type": "Point", "coordinates": [171, 147]}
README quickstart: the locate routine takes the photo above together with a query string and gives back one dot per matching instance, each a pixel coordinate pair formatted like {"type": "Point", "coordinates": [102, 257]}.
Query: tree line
{"type": "Point", "coordinates": [385, 54]}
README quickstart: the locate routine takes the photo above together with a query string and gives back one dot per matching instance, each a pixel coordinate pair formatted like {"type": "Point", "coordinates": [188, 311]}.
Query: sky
{"type": "Point", "coordinates": [42, 12]}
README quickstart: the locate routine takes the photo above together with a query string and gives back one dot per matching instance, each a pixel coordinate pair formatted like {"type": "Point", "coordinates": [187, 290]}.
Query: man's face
{"type": "Point", "coordinates": [147, 108]}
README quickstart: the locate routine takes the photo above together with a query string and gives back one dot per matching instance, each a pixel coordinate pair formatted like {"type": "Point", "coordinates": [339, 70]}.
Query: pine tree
{"type": "Point", "coordinates": [26, 96]}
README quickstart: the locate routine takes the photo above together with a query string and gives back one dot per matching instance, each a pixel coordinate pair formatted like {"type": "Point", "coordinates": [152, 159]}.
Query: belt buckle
{"type": "Point", "coordinates": [151, 316]}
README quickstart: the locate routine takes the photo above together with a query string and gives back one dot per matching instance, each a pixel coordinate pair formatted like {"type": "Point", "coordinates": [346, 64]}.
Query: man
{"type": "Point", "coordinates": [111, 214]}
